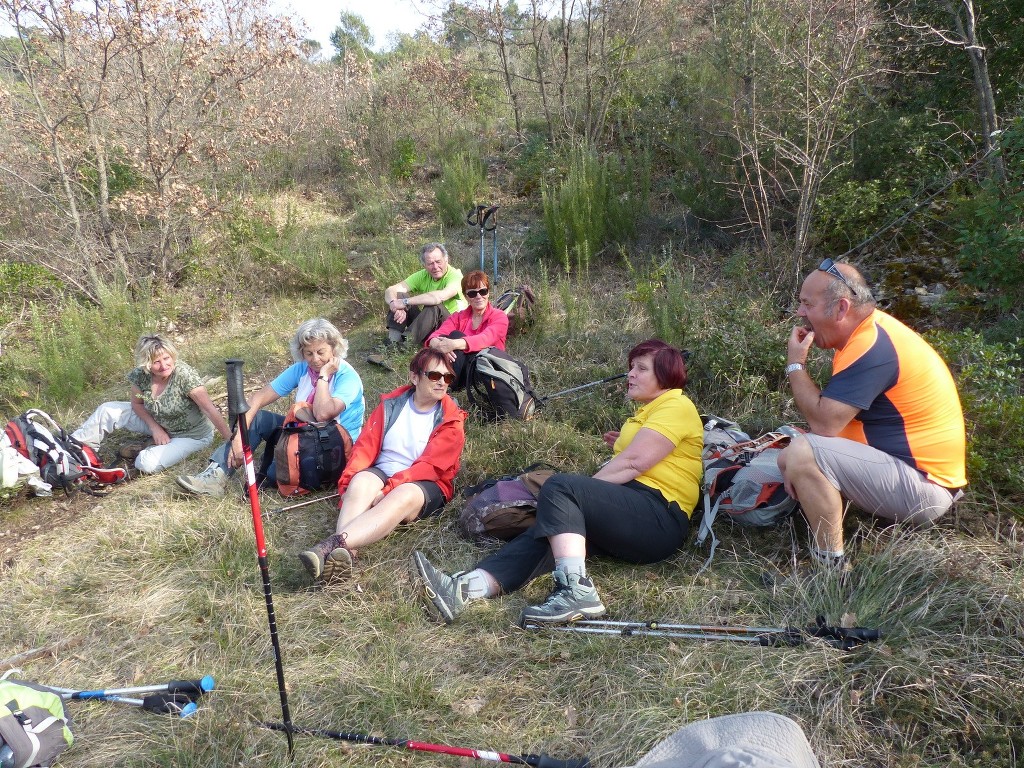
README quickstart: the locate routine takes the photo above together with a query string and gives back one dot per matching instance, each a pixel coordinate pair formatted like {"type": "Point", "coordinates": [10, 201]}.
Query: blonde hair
{"type": "Point", "coordinates": [318, 329]}
{"type": "Point", "coordinates": [149, 348]}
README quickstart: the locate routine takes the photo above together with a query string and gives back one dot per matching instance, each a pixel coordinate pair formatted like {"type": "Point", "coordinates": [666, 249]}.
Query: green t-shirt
{"type": "Point", "coordinates": [174, 410]}
{"type": "Point", "coordinates": [422, 282]}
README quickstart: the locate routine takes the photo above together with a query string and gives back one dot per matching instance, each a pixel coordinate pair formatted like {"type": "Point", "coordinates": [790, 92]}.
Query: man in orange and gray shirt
{"type": "Point", "coordinates": [886, 432]}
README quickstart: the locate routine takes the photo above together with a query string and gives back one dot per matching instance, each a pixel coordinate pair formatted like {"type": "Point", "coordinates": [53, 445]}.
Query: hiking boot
{"type": "Point", "coordinates": [328, 560]}
{"type": "Point", "coordinates": [378, 359]}
{"type": "Point", "coordinates": [447, 595]}
{"type": "Point", "coordinates": [131, 451]}
{"type": "Point", "coordinates": [210, 482]}
{"type": "Point", "coordinates": [573, 598]}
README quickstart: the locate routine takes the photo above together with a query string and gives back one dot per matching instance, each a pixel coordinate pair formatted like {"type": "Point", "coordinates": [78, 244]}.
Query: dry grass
{"type": "Point", "coordinates": [157, 587]}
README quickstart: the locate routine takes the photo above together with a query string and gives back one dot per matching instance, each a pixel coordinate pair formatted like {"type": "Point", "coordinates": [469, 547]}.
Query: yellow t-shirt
{"type": "Point", "coordinates": [677, 476]}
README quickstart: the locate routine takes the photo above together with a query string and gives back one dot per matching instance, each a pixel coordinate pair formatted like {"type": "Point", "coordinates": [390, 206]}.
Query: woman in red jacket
{"type": "Point", "coordinates": [468, 331]}
{"type": "Point", "coordinates": [402, 466]}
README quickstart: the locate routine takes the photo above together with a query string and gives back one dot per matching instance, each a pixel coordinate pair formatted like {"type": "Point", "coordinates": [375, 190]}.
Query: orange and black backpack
{"type": "Point", "coordinates": [308, 456]}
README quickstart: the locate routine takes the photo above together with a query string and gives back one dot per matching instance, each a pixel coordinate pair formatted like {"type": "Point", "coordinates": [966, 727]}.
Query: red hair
{"type": "Point", "coordinates": [669, 365]}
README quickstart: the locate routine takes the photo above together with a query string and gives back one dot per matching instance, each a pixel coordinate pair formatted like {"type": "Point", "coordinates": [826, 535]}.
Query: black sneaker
{"type": "Point", "coordinates": [573, 598]}
{"type": "Point", "coordinates": [446, 595]}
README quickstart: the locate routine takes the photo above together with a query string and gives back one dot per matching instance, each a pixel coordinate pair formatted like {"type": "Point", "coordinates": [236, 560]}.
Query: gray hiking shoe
{"type": "Point", "coordinates": [328, 560]}
{"type": "Point", "coordinates": [446, 595]}
{"type": "Point", "coordinates": [212, 481]}
{"type": "Point", "coordinates": [574, 597]}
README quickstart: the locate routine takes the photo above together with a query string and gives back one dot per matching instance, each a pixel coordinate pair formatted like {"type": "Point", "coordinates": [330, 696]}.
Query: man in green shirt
{"type": "Point", "coordinates": [419, 304]}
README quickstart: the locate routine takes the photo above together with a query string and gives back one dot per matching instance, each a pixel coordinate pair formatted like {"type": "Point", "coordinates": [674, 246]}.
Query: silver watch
{"type": "Point", "coordinates": [794, 367]}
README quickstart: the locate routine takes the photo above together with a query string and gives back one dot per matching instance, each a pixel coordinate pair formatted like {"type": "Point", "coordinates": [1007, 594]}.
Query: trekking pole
{"type": "Point", "coordinates": [305, 503]}
{"type": "Point", "coordinates": [237, 407]}
{"type": "Point", "coordinates": [844, 638]}
{"type": "Point", "coordinates": [493, 211]}
{"type": "Point", "coordinates": [193, 689]}
{"type": "Point", "coordinates": [478, 217]}
{"type": "Point", "coordinates": [475, 218]}
{"type": "Point", "coordinates": [160, 703]}
{"type": "Point", "coordinates": [540, 761]}
{"type": "Point", "coordinates": [543, 400]}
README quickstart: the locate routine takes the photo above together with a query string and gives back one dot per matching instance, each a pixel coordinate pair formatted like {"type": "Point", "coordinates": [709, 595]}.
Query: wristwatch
{"type": "Point", "coordinates": [793, 367]}
{"type": "Point", "coordinates": [321, 377]}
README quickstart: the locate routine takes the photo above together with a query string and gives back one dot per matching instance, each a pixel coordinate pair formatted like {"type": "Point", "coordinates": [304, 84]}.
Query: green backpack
{"type": "Point", "coordinates": [32, 723]}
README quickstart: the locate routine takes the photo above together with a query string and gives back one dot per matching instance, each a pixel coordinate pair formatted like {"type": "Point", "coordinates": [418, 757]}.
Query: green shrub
{"type": "Point", "coordinates": [403, 159]}
{"type": "Point", "coordinates": [991, 235]}
{"type": "Point", "coordinates": [989, 378]}
{"type": "Point", "coordinates": [372, 218]}
{"type": "Point", "coordinates": [853, 210]}
{"type": "Point", "coordinates": [737, 344]}
{"type": "Point", "coordinates": [597, 204]}
{"type": "Point", "coordinates": [21, 282]}
{"type": "Point", "coordinates": [532, 164]}
{"type": "Point", "coordinates": [463, 181]}
{"type": "Point", "coordinates": [80, 348]}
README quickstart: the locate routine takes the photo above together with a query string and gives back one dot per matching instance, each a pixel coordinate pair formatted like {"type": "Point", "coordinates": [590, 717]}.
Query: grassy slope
{"type": "Point", "coordinates": [156, 587]}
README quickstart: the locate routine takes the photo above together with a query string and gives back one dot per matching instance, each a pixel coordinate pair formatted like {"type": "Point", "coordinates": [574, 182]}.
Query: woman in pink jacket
{"type": "Point", "coordinates": [468, 331]}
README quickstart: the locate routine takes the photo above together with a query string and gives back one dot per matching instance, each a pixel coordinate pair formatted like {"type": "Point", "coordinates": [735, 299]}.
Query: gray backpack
{"type": "Point", "coordinates": [742, 480]}
{"type": "Point", "coordinates": [498, 386]}
{"type": "Point", "coordinates": [32, 724]}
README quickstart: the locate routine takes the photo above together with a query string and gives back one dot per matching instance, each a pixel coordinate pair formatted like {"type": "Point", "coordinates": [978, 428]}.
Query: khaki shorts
{"type": "Point", "coordinates": [879, 483]}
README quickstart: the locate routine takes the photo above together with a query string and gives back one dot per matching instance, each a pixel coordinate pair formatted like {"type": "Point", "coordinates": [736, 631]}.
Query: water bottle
{"type": "Point", "coordinates": [6, 756]}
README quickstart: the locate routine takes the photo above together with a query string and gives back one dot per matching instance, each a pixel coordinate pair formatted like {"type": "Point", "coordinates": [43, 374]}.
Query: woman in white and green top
{"type": "Point", "coordinates": [168, 403]}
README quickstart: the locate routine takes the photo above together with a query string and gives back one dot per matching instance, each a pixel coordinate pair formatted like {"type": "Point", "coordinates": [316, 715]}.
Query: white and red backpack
{"type": "Point", "coordinates": [62, 460]}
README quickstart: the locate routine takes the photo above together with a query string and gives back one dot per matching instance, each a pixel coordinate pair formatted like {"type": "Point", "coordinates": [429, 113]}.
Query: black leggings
{"type": "Point", "coordinates": [631, 522]}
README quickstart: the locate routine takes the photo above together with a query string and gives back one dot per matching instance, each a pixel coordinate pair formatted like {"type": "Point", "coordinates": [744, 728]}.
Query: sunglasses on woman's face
{"type": "Point", "coordinates": [437, 376]}
{"type": "Point", "coordinates": [472, 293]}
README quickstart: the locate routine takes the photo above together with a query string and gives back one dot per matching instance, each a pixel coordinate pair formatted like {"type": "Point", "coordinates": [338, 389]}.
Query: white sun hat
{"type": "Point", "coordinates": [747, 740]}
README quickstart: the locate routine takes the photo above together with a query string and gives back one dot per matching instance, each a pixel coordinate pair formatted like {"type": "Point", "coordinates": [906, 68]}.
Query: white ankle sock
{"type": "Point", "coordinates": [480, 584]}
{"type": "Point", "coordinates": [827, 558]}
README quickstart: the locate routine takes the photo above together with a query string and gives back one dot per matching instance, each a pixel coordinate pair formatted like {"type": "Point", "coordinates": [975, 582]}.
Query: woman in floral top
{"type": "Point", "coordinates": [168, 403]}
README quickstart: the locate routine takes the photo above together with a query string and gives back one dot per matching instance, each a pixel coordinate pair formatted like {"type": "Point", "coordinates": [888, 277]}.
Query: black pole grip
{"type": "Point", "coordinates": [191, 688]}
{"type": "Point", "coordinates": [236, 389]}
{"type": "Point", "coordinates": [544, 761]}
{"type": "Point", "coordinates": [169, 704]}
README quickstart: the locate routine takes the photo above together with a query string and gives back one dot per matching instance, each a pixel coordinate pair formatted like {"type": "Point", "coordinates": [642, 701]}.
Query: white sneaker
{"type": "Point", "coordinates": [210, 482]}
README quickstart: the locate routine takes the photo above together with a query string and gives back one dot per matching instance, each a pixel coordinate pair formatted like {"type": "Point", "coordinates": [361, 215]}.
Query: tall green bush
{"type": "Point", "coordinates": [463, 180]}
{"type": "Point", "coordinates": [79, 348]}
{"type": "Point", "coordinates": [989, 379]}
{"type": "Point", "coordinates": [992, 233]}
{"type": "Point", "coordinates": [737, 343]}
{"type": "Point", "coordinates": [597, 204]}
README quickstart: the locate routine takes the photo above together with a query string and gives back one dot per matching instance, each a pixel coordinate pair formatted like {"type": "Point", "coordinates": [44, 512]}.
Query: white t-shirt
{"type": "Point", "coordinates": [405, 441]}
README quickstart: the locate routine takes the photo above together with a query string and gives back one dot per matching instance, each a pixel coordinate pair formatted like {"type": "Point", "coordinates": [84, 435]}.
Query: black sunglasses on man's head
{"type": "Point", "coordinates": [832, 268]}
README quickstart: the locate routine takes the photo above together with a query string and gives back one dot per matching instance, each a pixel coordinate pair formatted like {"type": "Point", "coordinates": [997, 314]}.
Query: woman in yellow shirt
{"type": "Point", "coordinates": [637, 507]}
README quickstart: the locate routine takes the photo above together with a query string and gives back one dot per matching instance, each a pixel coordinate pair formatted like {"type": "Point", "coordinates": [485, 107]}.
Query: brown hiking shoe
{"type": "Point", "coordinates": [131, 451]}
{"type": "Point", "coordinates": [328, 560]}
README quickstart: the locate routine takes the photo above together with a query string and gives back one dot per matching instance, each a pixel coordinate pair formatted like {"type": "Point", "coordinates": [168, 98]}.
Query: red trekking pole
{"type": "Point", "coordinates": [237, 408]}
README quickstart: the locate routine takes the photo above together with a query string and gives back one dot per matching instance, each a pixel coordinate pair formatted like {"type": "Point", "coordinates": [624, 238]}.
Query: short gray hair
{"type": "Point", "coordinates": [432, 247]}
{"type": "Point", "coordinates": [318, 329]}
{"type": "Point", "coordinates": [149, 348]}
{"type": "Point", "coordinates": [855, 289]}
